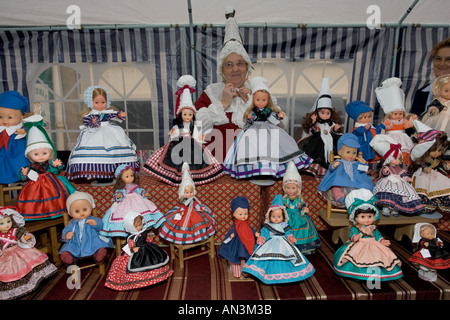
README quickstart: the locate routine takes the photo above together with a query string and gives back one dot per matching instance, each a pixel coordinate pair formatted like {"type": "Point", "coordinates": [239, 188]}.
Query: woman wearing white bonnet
{"type": "Point", "coordinates": [222, 105]}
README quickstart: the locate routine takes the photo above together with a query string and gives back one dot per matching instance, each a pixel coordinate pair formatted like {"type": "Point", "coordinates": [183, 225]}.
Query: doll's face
{"type": "Point", "coordinates": [10, 117]}
{"type": "Point", "coordinates": [324, 114]}
{"type": "Point", "coordinates": [427, 233]}
{"type": "Point", "coordinates": [365, 117]}
{"type": "Point", "coordinates": [436, 153]}
{"type": "Point", "coordinates": [348, 153]}
{"type": "Point", "coordinates": [99, 103]}
{"type": "Point", "coordinates": [365, 218]}
{"type": "Point", "coordinates": [276, 216]}
{"type": "Point", "coordinates": [40, 155]}
{"type": "Point", "coordinates": [128, 176]}
{"type": "Point", "coordinates": [444, 92]}
{"type": "Point", "coordinates": [260, 99]}
{"type": "Point", "coordinates": [240, 214]}
{"type": "Point", "coordinates": [138, 223]}
{"type": "Point", "coordinates": [80, 209]}
{"type": "Point", "coordinates": [187, 115]}
{"type": "Point", "coordinates": [188, 192]}
{"type": "Point", "coordinates": [396, 115]}
{"type": "Point", "coordinates": [5, 224]}
{"type": "Point", "coordinates": [291, 189]}
{"type": "Point", "coordinates": [396, 161]}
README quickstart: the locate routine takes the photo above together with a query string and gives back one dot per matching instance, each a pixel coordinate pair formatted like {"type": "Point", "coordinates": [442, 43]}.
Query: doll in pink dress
{"type": "Point", "coordinates": [22, 267]}
{"type": "Point", "coordinates": [392, 99]}
{"type": "Point", "coordinates": [129, 195]}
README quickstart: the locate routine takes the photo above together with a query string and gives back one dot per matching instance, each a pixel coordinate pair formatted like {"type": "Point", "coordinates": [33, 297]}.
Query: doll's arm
{"type": "Point", "coordinates": [91, 121]}
{"type": "Point", "coordinates": [335, 127]}
{"type": "Point", "coordinates": [119, 195]}
{"type": "Point", "coordinates": [380, 127]}
{"type": "Point", "coordinates": [67, 232]}
{"type": "Point", "coordinates": [174, 133]}
{"type": "Point", "coordinates": [122, 115]}
{"type": "Point", "coordinates": [23, 173]}
{"type": "Point", "coordinates": [56, 166]}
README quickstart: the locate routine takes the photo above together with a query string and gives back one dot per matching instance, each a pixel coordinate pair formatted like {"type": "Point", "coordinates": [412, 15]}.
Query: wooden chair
{"type": "Point", "coordinates": [179, 250]}
{"type": "Point", "coordinates": [101, 265]}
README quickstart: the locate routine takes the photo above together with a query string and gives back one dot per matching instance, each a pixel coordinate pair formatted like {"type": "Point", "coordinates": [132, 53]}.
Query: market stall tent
{"type": "Point", "coordinates": [48, 57]}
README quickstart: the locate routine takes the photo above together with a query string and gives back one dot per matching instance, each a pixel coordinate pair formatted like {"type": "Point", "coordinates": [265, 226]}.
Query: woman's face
{"type": "Point", "coordinates": [234, 69]}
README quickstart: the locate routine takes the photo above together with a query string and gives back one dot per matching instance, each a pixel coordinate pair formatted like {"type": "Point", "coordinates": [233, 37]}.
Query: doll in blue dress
{"type": "Point", "coordinates": [81, 236]}
{"type": "Point", "coordinates": [240, 240]}
{"type": "Point", "coordinates": [366, 255]}
{"type": "Point", "coordinates": [12, 136]}
{"type": "Point", "coordinates": [345, 174]}
{"type": "Point", "coordinates": [276, 259]}
{"type": "Point", "coordinates": [305, 233]}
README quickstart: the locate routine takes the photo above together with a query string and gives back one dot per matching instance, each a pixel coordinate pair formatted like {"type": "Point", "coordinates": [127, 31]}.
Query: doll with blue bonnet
{"type": "Point", "coordinates": [305, 233]}
{"type": "Point", "coordinates": [102, 144]}
{"type": "Point", "coordinates": [345, 174]}
{"type": "Point", "coordinates": [129, 195]}
{"type": "Point", "coordinates": [81, 236]}
{"type": "Point", "coordinates": [276, 259]}
{"type": "Point", "coordinates": [240, 239]}
{"type": "Point", "coordinates": [13, 107]}
{"type": "Point", "coordinates": [22, 266]}
{"type": "Point", "coordinates": [366, 255]}
{"type": "Point", "coordinates": [45, 192]}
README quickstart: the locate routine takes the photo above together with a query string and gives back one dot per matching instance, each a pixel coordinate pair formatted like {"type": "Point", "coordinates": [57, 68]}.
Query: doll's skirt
{"type": "Point", "coordinates": [438, 263]}
{"type": "Point", "coordinates": [113, 218]}
{"type": "Point", "coordinates": [42, 199]}
{"type": "Point", "coordinates": [439, 121]}
{"type": "Point", "coordinates": [432, 185]}
{"type": "Point", "coordinates": [16, 262]}
{"type": "Point", "coordinates": [302, 228]}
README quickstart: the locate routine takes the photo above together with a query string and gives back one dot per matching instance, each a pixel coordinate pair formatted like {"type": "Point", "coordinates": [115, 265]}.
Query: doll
{"type": "Point", "coordinates": [346, 173]}
{"type": "Point", "coordinates": [263, 148]}
{"type": "Point", "coordinates": [304, 232]}
{"type": "Point", "coordinates": [190, 221]}
{"type": "Point", "coordinates": [430, 177]}
{"type": "Point", "coordinates": [430, 254]}
{"type": "Point", "coordinates": [45, 193]}
{"type": "Point", "coordinates": [102, 144]}
{"type": "Point", "coordinates": [81, 236]}
{"type": "Point", "coordinates": [366, 255]}
{"type": "Point", "coordinates": [362, 115]}
{"type": "Point", "coordinates": [22, 266]}
{"type": "Point", "coordinates": [392, 100]}
{"type": "Point", "coordinates": [186, 145]}
{"type": "Point", "coordinates": [240, 240]}
{"type": "Point", "coordinates": [393, 188]}
{"type": "Point", "coordinates": [12, 141]}
{"type": "Point", "coordinates": [128, 194]}
{"type": "Point", "coordinates": [142, 263]}
{"type": "Point", "coordinates": [321, 131]}
{"type": "Point", "coordinates": [437, 114]}
{"type": "Point", "coordinates": [276, 259]}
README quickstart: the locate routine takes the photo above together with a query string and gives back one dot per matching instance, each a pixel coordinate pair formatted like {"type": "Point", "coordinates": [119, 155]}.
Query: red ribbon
{"type": "Point", "coordinates": [179, 92]}
{"type": "Point", "coordinates": [394, 148]}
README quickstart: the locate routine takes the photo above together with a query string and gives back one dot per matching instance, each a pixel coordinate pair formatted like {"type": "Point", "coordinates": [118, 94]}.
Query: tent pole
{"type": "Point", "coordinates": [191, 34]}
{"type": "Point", "coordinates": [397, 36]}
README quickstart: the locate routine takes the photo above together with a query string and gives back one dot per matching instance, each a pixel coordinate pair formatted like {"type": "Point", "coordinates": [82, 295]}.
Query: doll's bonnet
{"type": "Point", "coordinates": [78, 195]}
{"type": "Point", "coordinates": [355, 108]}
{"type": "Point", "coordinates": [186, 85]}
{"type": "Point", "coordinates": [324, 99]}
{"type": "Point", "coordinates": [14, 100]}
{"type": "Point", "coordinates": [292, 175]}
{"type": "Point", "coordinates": [11, 211]}
{"type": "Point", "coordinates": [128, 221]}
{"type": "Point", "coordinates": [386, 147]}
{"type": "Point", "coordinates": [232, 42]}
{"type": "Point", "coordinates": [426, 137]}
{"type": "Point", "coordinates": [360, 199]}
{"type": "Point", "coordinates": [186, 180]}
{"type": "Point", "coordinates": [37, 137]}
{"type": "Point", "coordinates": [418, 228]}
{"type": "Point", "coordinates": [239, 202]}
{"type": "Point", "coordinates": [390, 96]}
{"type": "Point", "coordinates": [88, 96]}
{"type": "Point", "coordinates": [277, 203]}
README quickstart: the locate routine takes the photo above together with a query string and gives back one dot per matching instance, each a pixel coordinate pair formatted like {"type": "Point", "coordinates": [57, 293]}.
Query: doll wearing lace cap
{"type": "Point", "coordinates": [13, 107]}
{"type": "Point", "coordinates": [276, 259]}
{"type": "Point", "coordinates": [129, 195]}
{"type": "Point", "coordinates": [367, 250]}
{"type": "Point", "coordinates": [186, 144]}
{"type": "Point", "coordinates": [22, 266]}
{"type": "Point", "coordinates": [81, 236]}
{"type": "Point", "coordinates": [430, 254]}
{"type": "Point", "coordinates": [102, 144]}
{"type": "Point", "coordinates": [189, 221]}
{"type": "Point", "coordinates": [142, 263]}
{"type": "Point", "coordinates": [437, 114]}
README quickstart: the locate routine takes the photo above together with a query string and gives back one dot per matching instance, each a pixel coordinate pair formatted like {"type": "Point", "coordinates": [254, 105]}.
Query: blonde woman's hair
{"type": "Point", "coordinates": [271, 105]}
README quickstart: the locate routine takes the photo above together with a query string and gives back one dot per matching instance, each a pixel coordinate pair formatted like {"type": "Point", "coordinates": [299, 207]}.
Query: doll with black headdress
{"type": "Point", "coordinates": [186, 144]}
{"type": "Point", "coordinates": [321, 132]}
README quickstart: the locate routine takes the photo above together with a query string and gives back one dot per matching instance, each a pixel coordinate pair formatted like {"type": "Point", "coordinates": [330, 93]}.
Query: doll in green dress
{"type": "Point", "coordinates": [306, 236]}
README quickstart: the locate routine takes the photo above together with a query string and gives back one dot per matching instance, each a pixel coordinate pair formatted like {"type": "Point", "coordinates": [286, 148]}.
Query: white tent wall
{"type": "Point", "coordinates": [170, 52]}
